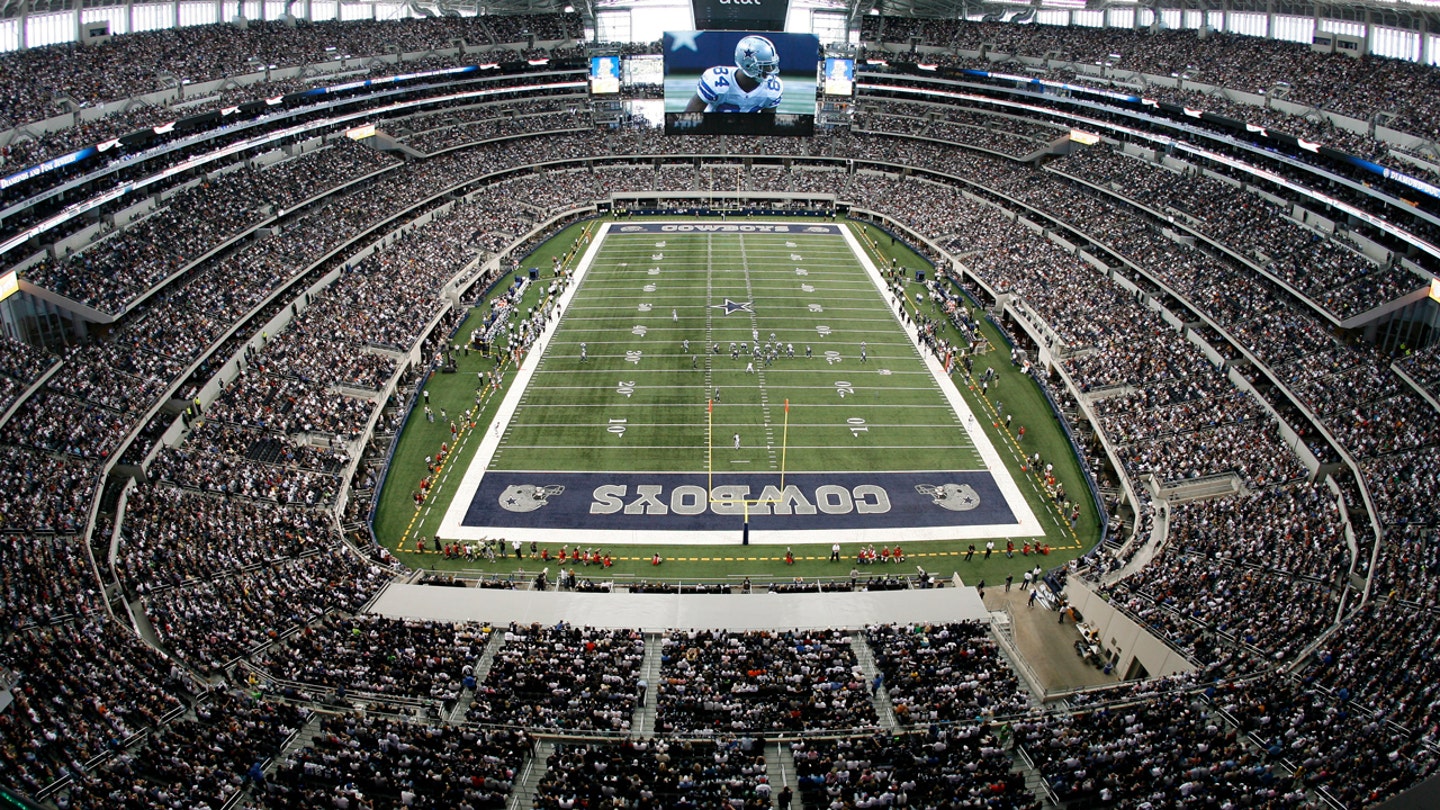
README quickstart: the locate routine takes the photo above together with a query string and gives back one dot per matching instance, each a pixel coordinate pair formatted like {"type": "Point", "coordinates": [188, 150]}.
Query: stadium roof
{"type": "Point", "coordinates": [15, 8]}
{"type": "Point", "coordinates": [1415, 15]}
{"type": "Point", "coordinates": [1410, 14]}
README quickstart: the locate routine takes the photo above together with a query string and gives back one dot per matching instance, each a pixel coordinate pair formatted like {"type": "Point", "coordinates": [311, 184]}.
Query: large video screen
{"type": "Point", "coordinates": [604, 75]}
{"type": "Point", "coordinates": [839, 77]}
{"type": "Point", "coordinates": [740, 83]}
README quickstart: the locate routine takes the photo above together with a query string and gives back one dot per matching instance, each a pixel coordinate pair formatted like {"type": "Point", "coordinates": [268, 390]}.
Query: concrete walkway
{"type": "Point", "coordinates": [737, 612]}
{"type": "Point", "coordinates": [1047, 646]}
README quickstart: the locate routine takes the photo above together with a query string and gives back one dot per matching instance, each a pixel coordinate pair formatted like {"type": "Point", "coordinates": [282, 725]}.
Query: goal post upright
{"type": "Point", "coordinates": [784, 445]}
{"type": "Point", "coordinates": [745, 503]}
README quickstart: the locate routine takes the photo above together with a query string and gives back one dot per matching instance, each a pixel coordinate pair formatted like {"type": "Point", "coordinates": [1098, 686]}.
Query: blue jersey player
{"type": "Point", "coordinates": [752, 86]}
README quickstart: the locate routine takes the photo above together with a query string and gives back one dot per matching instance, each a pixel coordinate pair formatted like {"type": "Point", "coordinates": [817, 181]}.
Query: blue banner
{"type": "Point", "coordinates": [696, 502]}
{"type": "Point", "coordinates": [48, 166]}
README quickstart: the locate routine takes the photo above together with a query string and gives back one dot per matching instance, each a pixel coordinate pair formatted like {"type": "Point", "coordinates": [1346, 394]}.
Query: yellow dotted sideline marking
{"type": "Point", "coordinates": [470, 425]}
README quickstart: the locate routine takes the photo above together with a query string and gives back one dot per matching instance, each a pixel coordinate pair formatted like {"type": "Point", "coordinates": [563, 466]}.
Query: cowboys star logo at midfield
{"type": "Point", "coordinates": [731, 307]}
{"type": "Point", "coordinates": [955, 497]}
{"type": "Point", "coordinates": [527, 498]}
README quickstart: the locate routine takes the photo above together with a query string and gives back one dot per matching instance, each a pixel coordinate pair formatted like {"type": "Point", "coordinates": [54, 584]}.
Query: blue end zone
{"type": "Point", "coordinates": [725, 227]}
{"type": "Point", "coordinates": [680, 502]}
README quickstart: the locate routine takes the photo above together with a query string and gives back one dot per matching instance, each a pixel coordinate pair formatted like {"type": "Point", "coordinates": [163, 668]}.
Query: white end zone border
{"type": "Point", "coordinates": [452, 528]}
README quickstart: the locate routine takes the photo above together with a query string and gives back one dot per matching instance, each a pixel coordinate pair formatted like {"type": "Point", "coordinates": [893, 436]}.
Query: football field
{"type": "Point", "coordinates": [704, 375]}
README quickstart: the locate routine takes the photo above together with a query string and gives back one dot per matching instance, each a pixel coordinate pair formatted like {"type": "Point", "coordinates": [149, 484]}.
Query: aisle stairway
{"type": "Point", "coordinates": [482, 669]}
{"type": "Point", "coordinates": [866, 659]}
{"type": "Point", "coordinates": [780, 767]}
{"type": "Point", "coordinates": [643, 722]}
{"type": "Point", "coordinates": [523, 796]}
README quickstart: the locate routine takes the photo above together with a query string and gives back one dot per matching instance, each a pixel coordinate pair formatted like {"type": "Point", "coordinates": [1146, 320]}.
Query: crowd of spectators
{"type": "Point", "coordinates": [1358, 88]}
{"type": "Point", "coordinates": [282, 476]}
{"type": "Point", "coordinates": [1242, 443]}
{"type": "Point", "coordinates": [44, 579]}
{"type": "Point", "coordinates": [1132, 345]}
{"type": "Point", "coordinates": [190, 105]}
{"type": "Point", "coordinates": [651, 774]}
{"type": "Point", "coordinates": [358, 761]}
{"type": "Point", "coordinates": [378, 655]}
{"type": "Point", "coordinates": [1333, 275]}
{"type": "Point", "coordinates": [1015, 137]}
{"type": "Point", "coordinates": [1171, 750]}
{"type": "Point", "coordinates": [260, 605]}
{"type": "Point", "coordinates": [1401, 484]}
{"type": "Point", "coordinates": [436, 132]}
{"type": "Point", "coordinates": [944, 673]}
{"type": "Point", "coordinates": [53, 496]}
{"type": "Point", "coordinates": [110, 273]}
{"type": "Point", "coordinates": [1382, 662]}
{"type": "Point", "coordinates": [136, 63]}
{"type": "Point", "coordinates": [1270, 121]}
{"type": "Point", "coordinates": [732, 683]}
{"type": "Point", "coordinates": [20, 366]}
{"type": "Point", "coordinates": [55, 423]}
{"type": "Point", "coordinates": [199, 762]}
{"type": "Point", "coordinates": [83, 687]}
{"type": "Point", "coordinates": [151, 161]}
{"type": "Point", "coordinates": [951, 765]}
{"type": "Point", "coordinates": [171, 536]}
{"type": "Point", "coordinates": [1329, 743]}
{"type": "Point", "coordinates": [103, 389]}
{"type": "Point", "coordinates": [562, 678]}
{"type": "Point", "coordinates": [1296, 531]}
{"type": "Point", "coordinates": [1423, 367]}
{"type": "Point", "coordinates": [1265, 571]}
{"type": "Point", "coordinates": [254, 439]}
{"type": "Point", "coordinates": [199, 53]}
{"type": "Point", "coordinates": [1360, 400]}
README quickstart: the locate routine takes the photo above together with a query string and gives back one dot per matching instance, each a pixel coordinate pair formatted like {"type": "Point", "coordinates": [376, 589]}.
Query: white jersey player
{"type": "Point", "coordinates": [752, 86]}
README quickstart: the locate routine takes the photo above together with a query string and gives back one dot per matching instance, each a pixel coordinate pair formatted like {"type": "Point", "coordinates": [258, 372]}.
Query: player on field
{"type": "Point", "coordinates": [752, 86]}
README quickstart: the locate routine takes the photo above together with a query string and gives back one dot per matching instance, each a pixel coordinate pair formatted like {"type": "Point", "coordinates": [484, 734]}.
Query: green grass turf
{"type": "Point", "coordinates": [638, 400]}
{"type": "Point", "coordinates": [398, 521]}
